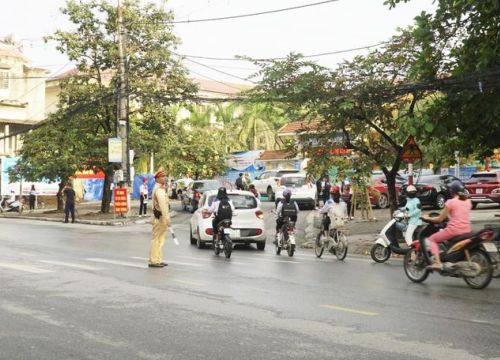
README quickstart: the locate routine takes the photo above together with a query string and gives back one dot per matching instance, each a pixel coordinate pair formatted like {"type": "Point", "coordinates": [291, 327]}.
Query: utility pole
{"type": "Point", "coordinates": [122, 108]}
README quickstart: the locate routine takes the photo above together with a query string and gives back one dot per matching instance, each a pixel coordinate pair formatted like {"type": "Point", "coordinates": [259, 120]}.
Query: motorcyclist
{"type": "Point", "coordinates": [286, 208]}
{"type": "Point", "coordinates": [413, 210]}
{"type": "Point", "coordinates": [457, 210]}
{"type": "Point", "coordinates": [222, 208]}
{"type": "Point", "coordinates": [334, 205]}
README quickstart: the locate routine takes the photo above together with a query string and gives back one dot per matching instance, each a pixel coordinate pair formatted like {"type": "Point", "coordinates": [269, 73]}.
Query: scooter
{"type": "Point", "coordinates": [495, 258]}
{"type": "Point", "coordinates": [10, 205]}
{"type": "Point", "coordinates": [223, 240]}
{"type": "Point", "coordinates": [391, 238]}
{"type": "Point", "coordinates": [466, 256]}
{"type": "Point", "coordinates": [285, 238]}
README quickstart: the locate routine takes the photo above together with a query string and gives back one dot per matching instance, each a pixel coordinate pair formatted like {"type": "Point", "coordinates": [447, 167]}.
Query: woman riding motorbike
{"type": "Point", "coordinates": [457, 210]}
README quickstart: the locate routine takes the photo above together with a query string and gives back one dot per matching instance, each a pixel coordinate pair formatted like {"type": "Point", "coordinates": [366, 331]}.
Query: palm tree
{"type": "Point", "coordinates": [256, 128]}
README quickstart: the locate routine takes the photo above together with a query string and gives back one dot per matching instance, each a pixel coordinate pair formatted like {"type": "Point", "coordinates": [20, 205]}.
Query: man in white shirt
{"type": "Point", "coordinates": [143, 189]}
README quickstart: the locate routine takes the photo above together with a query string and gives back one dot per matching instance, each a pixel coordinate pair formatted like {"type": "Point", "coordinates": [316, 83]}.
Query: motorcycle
{"type": "Point", "coordinates": [286, 237]}
{"type": "Point", "coordinates": [10, 205]}
{"type": "Point", "coordinates": [223, 240]}
{"type": "Point", "coordinates": [466, 256]}
{"type": "Point", "coordinates": [391, 238]}
{"type": "Point", "coordinates": [495, 258]}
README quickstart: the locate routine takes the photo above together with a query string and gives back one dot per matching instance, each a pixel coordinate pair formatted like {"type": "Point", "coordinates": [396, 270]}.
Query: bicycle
{"type": "Point", "coordinates": [335, 241]}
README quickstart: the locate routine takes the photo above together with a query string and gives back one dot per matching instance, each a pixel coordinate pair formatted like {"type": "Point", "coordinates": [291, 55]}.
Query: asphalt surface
{"type": "Point", "coordinates": [74, 291]}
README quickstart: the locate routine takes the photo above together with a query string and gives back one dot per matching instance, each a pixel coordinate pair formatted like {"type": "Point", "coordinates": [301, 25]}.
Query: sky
{"type": "Point", "coordinates": [334, 26]}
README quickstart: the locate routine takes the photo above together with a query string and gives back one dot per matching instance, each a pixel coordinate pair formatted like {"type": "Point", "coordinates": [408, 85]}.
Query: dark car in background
{"type": "Point", "coordinates": [431, 190]}
{"type": "Point", "coordinates": [484, 187]}
{"type": "Point", "coordinates": [191, 197]}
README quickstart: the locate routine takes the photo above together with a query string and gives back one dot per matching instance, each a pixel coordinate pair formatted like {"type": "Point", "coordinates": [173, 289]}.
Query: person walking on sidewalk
{"type": "Point", "coordinates": [161, 219]}
{"type": "Point", "coordinates": [69, 206]}
{"type": "Point", "coordinates": [143, 198]}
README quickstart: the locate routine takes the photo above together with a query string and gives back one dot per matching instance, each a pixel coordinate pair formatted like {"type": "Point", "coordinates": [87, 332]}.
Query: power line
{"type": "Point", "coordinates": [252, 14]}
{"type": "Point", "coordinates": [284, 58]}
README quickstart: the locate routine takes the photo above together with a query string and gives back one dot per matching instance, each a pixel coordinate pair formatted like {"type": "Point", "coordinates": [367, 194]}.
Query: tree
{"type": "Point", "coordinates": [362, 104]}
{"type": "Point", "coordinates": [461, 39]}
{"type": "Point", "coordinates": [86, 116]}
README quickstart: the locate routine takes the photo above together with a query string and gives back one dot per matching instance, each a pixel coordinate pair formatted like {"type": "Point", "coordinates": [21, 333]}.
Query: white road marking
{"type": "Point", "coordinates": [71, 265]}
{"type": "Point", "coordinates": [170, 262]}
{"type": "Point", "coordinates": [116, 262]}
{"type": "Point", "coordinates": [354, 311]}
{"type": "Point", "coordinates": [25, 268]}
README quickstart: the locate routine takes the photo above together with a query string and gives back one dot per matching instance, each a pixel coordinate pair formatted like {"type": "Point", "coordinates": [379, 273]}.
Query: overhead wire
{"type": "Point", "coordinates": [252, 14]}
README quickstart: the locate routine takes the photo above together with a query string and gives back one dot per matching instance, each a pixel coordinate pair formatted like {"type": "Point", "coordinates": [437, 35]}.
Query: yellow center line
{"type": "Point", "coordinates": [187, 282]}
{"type": "Point", "coordinates": [354, 311]}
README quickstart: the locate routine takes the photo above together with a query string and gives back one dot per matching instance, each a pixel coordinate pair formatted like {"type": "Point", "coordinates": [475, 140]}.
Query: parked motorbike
{"type": "Point", "coordinates": [466, 256]}
{"type": "Point", "coordinates": [391, 238]}
{"type": "Point", "coordinates": [286, 237]}
{"type": "Point", "coordinates": [223, 240]}
{"type": "Point", "coordinates": [10, 205]}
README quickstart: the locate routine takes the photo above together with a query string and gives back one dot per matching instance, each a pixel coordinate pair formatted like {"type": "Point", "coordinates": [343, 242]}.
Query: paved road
{"type": "Point", "coordinates": [84, 292]}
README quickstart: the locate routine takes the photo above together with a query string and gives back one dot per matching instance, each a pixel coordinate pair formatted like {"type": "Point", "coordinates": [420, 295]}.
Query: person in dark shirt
{"type": "Point", "coordinates": [69, 206]}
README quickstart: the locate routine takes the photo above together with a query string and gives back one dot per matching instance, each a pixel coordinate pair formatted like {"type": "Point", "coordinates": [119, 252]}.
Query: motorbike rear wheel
{"type": "Point", "coordinates": [290, 249]}
{"type": "Point", "coordinates": [380, 253]}
{"type": "Point", "coordinates": [342, 244]}
{"type": "Point", "coordinates": [416, 270]}
{"type": "Point", "coordinates": [228, 246]}
{"type": "Point", "coordinates": [484, 278]}
{"type": "Point", "coordinates": [216, 247]}
{"type": "Point", "coordinates": [319, 246]}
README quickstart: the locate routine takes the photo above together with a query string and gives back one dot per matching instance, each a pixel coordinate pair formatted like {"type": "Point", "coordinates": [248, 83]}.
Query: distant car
{"type": "Point", "coordinates": [380, 184]}
{"type": "Point", "coordinates": [267, 182]}
{"type": "Point", "coordinates": [484, 187]}
{"type": "Point", "coordinates": [248, 220]}
{"type": "Point", "coordinates": [304, 194]}
{"type": "Point", "coordinates": [191, 197]}
{"type": "Point", "coordinates": [432, 190]}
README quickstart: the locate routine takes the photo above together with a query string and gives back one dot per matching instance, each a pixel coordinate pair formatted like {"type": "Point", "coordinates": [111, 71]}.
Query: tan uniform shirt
{"type": "Point", "coordinates": [161, 202]}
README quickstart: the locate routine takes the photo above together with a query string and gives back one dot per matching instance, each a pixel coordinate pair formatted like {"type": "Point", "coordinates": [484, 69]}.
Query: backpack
{"type": "Point", "coordinates": [224, 211]}
{"type": "Point", "coordinates": [289, 210]}
{"type": "Point", "coordinates": [336, 214]}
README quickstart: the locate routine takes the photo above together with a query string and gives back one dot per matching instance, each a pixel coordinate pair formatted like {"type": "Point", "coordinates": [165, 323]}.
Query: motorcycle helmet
{"type": "Point", "coordinates": [456, 187]}
{"type": "Point", "coordinates": [411, 191]}
{"type": "Point", "coordinates": [287, 194]}
{"type": "Point", "coordinates": [221, 193]}
{"type": "Point", "coordinates": [334, 189]}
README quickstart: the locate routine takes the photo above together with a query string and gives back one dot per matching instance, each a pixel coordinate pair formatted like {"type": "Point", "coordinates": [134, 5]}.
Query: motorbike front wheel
{"type": "Point", "coordinates": [484, 278]}
{"type": "Point", "coordinates": [380, 253]}
{"type": "Point", "coordinates": [416, 270]}
{"type": "Point", "coordinates": [319, 246]}
{"type": "Point", "coordinates": [341, 250]}
{"type": "Point", "coordinates": [228, 247]}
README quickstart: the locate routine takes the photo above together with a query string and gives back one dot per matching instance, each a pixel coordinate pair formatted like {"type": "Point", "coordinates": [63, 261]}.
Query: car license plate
{"type": "Point", "coordinates": [490, 247]}
{"type": "Point", "coordinates": [232, 232]}
{"type": "Point", "coordinates": [479, 191]}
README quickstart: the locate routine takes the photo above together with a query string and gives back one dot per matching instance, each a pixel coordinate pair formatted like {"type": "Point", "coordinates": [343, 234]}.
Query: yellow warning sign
{"type": "Point", "coordinates": [411, 150]}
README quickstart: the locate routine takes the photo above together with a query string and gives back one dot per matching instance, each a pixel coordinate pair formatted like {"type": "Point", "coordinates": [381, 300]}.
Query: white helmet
{"type": "Point", "coordinates": [411, 188]}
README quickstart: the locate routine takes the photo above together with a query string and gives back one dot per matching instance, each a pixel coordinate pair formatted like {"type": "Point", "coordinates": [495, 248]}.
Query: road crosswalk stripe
{"type": "Point", "coordinates": [71, 265]}
{"type": "Point", "coordinates": [116, 262]}
{"type": "Point", "coordinates": [25, 268]}
{"type": "Point", "coordinates": [354, 311]}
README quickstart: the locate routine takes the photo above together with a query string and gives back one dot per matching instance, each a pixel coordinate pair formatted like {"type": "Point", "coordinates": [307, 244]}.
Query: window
{"type": "Point", "coordinates": [4, 80]}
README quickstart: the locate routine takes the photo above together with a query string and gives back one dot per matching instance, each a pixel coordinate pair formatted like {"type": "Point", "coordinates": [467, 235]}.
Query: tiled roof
{"type": "Point", "coordinates": [275, 155]}
{"type": "Point", "coordinates": [299, 126]}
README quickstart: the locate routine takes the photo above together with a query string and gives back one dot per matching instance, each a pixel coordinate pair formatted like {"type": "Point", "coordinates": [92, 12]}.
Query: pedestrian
{"type": "Point", "coordinates": [254, 191]}
{"type": "Point", "coordinates": [326, 189]}
{"type": "Point", "coordinates": [161, 219]}
{"type": "Point", "coordinates": [32, 197]}
{"type": "Point", "coordinates": [347, 197]}
{"type": "Point", "coordinates": [246, 181]}
{"type": "Point", "coordinates": [69, 206]}
{"type": "Point", "coordinates": [239, 182]}
{"type": "Point", "coordinates": [319, 188]}
{"type": "Point", "coordinates": [143, 198]}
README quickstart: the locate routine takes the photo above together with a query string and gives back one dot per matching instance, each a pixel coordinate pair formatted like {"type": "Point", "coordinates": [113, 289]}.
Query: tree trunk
{"type": "Point", "coordinates": [391, 182]}
{"type": "Point", "coordinates": [59, 196]}
{"type": "Point", "coordinates": [106, 193]}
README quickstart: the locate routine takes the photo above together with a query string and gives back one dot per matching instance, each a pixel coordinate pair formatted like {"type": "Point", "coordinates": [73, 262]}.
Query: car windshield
{"type": "Point", "coordinates": [205, 185]}
{"type": "Point", "coordinates": [283, 172]}
{"type": "Point", "coordinates": [483, 178]}
{"type": "Point", "coordinates": [293, 181]}
{"type": "Point", "coordinates": [240, 201]}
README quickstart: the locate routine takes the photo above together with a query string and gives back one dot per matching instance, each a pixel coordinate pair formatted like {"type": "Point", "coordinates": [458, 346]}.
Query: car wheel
{"type": "Point", "coordinates": [270, 194]}
{"type": "Point", "coordinates": [261, 245]}
{"type": "Point", "coordinates": [199, 244]}
{"type": "Point", "coordinates": [191, 237]}
{"type": "Point", "coordinates": [383, 201]}
{"type": "Point", "coordinates": [440, 200]}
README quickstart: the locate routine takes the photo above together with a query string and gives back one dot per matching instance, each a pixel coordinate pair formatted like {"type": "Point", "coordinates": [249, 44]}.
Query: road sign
{"type": "Point", "coordinates": [121, 201]}
{"type": "Point", "coordinates": [411, 151]}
